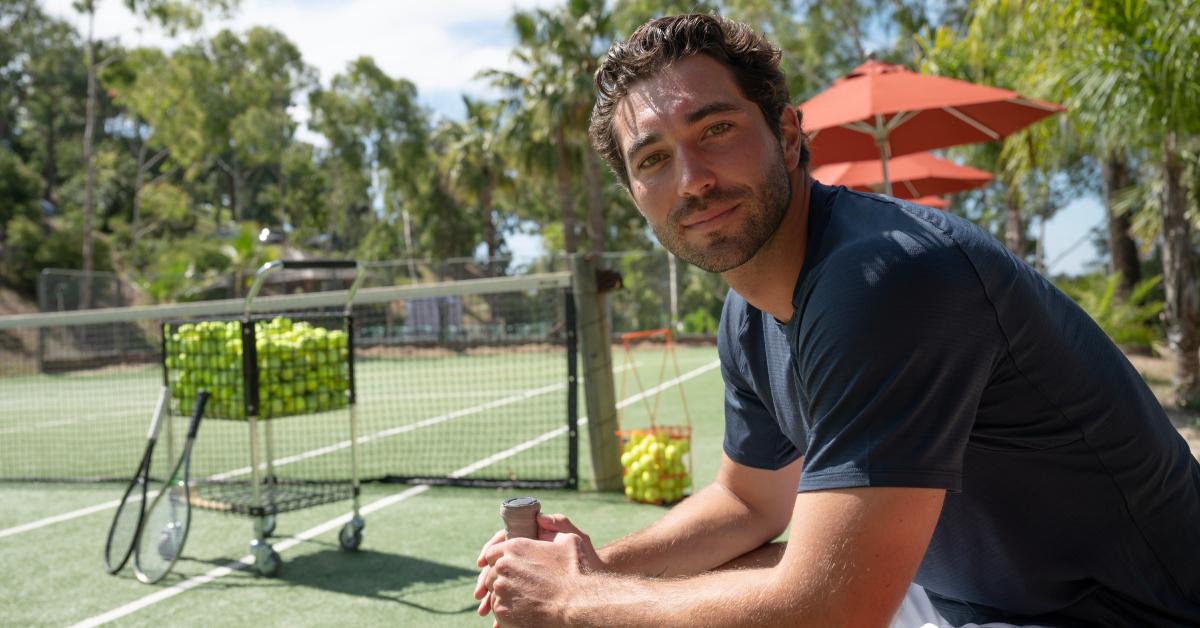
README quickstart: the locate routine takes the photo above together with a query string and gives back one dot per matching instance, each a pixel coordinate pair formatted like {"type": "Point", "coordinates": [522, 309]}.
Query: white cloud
{"type": "Point", "coordinates": [440, 46]}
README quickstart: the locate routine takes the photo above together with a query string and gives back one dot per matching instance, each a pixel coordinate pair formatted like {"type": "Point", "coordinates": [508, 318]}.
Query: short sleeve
{"type": "Point", "coordinates": [894, 349]}
{"type": "Point", "coordinates": [753, 436]}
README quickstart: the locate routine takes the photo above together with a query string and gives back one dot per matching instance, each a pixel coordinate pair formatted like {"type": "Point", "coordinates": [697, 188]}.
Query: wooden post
{"type": "Point", "coordinates": [596, 351]}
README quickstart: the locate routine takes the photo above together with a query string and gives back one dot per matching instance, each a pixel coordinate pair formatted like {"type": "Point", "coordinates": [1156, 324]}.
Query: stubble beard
{"type": "Point", "coordinates": [763, 206]}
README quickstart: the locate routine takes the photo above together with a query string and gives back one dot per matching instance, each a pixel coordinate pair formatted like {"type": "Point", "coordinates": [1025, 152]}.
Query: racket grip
{"type": "Point", "coordinates": [520, 517]}
{"type": "Point", "coordinates": [197, 412]}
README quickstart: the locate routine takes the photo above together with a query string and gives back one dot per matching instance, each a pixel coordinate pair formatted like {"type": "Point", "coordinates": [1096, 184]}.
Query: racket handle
{"type": "Point", "coordinates": [197, 412]}
{"type": "Point", "coordinates": [520, 517]}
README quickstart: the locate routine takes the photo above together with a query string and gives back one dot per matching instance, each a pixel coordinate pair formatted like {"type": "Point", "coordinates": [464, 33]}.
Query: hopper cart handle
{"type": "Point", "coordinates": [315, 264]}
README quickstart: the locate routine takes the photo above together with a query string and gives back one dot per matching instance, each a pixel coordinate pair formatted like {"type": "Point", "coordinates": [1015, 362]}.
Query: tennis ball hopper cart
{"type": "Point", "coordinates": [294, 370]}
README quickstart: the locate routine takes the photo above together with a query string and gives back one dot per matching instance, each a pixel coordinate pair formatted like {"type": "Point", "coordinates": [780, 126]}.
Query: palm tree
{"type": "Point", "coordinates": [549, 102]}
{"type": "Point", "coordinates": [1131, 68]}
{"type": "Point", "coordinates": [476, 164]}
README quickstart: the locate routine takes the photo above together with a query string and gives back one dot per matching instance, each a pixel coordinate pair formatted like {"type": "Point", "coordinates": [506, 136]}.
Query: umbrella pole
{"type": "Point", "coordinates": [883, 159]}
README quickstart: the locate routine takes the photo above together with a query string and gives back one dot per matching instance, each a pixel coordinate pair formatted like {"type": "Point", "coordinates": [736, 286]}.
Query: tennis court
{"type": "Point", "coordinates": [446, 414]}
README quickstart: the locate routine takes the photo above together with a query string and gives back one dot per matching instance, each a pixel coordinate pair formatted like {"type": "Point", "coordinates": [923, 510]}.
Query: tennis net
{"type": "Point", "coordinates": [443, 375]}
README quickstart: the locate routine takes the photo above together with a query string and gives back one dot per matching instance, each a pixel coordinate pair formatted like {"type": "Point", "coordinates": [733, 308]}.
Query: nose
{"type": "Point", "coordinates": [695, 173]}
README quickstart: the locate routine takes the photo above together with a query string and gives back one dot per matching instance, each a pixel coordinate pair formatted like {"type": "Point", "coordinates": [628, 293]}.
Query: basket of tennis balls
{"type": "Point", "coordinates": [656, 463]}
{"type": "Point", "coordinates": [303, 367]}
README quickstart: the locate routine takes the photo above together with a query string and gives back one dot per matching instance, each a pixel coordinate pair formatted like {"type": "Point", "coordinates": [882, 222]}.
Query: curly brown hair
{"type": "Point", "coordinates": [752, 59]}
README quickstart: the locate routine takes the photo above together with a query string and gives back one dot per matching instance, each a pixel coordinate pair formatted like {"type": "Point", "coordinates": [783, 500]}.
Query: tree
{"type": "Point", "coordinates": [378, 138]}
{"type": "Point", "coordinates": [550, 100]}
{"type": "Point", "coordinates": [1130, 69]}
{"type": "Point", "coordinates": [477, 166]}
{"type": "Point", "coordinates": [171, 14]}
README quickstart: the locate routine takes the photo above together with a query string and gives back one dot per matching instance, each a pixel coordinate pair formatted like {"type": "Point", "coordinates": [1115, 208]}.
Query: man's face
{"type": "Point", "coordinates": [704, 168]}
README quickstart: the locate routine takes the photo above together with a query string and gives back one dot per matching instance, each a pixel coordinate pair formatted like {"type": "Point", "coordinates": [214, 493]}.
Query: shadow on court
{"type": "Point", "coordinates": [366, 573]}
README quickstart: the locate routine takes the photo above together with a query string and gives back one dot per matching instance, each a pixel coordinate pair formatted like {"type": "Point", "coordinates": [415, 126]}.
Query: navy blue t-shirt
{"type": "Point", "coordinates": [922, 354]}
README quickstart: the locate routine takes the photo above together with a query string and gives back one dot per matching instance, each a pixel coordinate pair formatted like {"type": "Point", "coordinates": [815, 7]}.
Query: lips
{"type": "Point", "coordinates": [708, 216]}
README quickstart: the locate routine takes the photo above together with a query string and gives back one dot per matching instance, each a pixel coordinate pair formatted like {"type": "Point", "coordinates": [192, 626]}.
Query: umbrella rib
{"type": "Point", "coordinates": [1036, 105]}
{"type": "Point", "coordinates": [911, 189]}
{"type": "Point", "coordinates": [971, 121]}
{"type": "Point", "coordinates": [861, 127]}
{"type": "Point", "coordinates": [898, 119]}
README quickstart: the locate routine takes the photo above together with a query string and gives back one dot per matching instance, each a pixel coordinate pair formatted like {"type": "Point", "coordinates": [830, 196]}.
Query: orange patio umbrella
{"type": "Point", "coordinates": [880, 111]}
{"type": "Point", "coordinates": [936, 202]}
{"type": "Point", "coordinates": [912, 176]}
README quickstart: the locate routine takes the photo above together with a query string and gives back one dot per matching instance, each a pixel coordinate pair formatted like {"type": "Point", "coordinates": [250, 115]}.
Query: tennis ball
{"type": "Point", "coordinates": [629, 491]}
{"type": "Point", "coordinates": [652, 495]}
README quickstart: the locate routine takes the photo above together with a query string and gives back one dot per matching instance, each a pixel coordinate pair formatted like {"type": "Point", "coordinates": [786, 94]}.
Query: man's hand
{"type": "Point", "coordinates": [550, 528]}
{"type": "Point", "coordinates": [532, 583]}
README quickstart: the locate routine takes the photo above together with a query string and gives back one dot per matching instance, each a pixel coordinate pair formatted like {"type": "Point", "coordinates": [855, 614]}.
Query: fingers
{"type": "Point", "coordinates": [481, 583]}
{"type": "Point", "coordinates": [485, 605]}
{"type": "Point", "coordinates": [498, 537]}
{"type": "Point", "coordinates": [551, 525]}
{"type": "Point", "coordinates": [556, 523]}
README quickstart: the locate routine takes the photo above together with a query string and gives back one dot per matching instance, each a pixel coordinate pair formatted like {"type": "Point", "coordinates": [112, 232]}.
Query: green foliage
{"type": "Point", "coordinates": [700, 322]}
{"type": "Point", "coordinates": [19, 189]}
{"type": "Point", "coordinates": [701, 298]}
{"type": "Point", "coordinates": [1131, 323]}
{"type": "Point", "coordinates": [29, 247]}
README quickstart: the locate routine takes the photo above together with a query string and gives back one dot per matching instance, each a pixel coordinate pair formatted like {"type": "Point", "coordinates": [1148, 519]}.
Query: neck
{"type": "Point", "coordinates": [769, 278]}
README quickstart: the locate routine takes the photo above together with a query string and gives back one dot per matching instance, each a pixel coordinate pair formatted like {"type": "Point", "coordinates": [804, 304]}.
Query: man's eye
{"type": "Point", "coordinates": [718, 128]}
{"type": "Point", "coordinates": [650, 161]}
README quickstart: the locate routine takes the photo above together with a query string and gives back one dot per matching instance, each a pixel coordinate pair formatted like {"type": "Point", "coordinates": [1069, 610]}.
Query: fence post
{"type": "Point", "coordinates": [598, 387]}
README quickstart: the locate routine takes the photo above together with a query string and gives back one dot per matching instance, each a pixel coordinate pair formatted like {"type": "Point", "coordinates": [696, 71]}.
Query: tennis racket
{"type": "Point", "coordinates": [166, 524]}
{"type": "Point", "coordinates": [128, 519]}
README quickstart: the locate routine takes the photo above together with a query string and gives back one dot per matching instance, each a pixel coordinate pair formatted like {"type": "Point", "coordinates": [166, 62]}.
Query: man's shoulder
{"type": "Point", "coordinates": [871, 243]}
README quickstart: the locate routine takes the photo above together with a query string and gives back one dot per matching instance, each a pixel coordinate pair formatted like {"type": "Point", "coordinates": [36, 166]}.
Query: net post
{"type": "Point", "coordinates": [572, 391]}
{"type": "Point", "coordinates": [598, 376]}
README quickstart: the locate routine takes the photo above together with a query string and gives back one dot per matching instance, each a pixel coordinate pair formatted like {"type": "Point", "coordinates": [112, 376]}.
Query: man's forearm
{"type": "Point", "coordinates": [725, 598]}
{"type": "Point", "coordinates": [700, 534]}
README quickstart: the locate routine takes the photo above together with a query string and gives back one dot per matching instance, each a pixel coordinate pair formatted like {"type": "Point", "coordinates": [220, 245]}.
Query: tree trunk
{"type": "Point", "coordinates": [235, 205]}
{"type": "Point", "coordinates": [595, 183]}
{"type": "Point", "coordinates": [1179, 281]}
{"type": "Point", "coordinates": [1014, 233]}
{"type": "Point", "coordinates": [1123, 254]}
{"type": "Point", "coordinates": [50, 172]}
{"type": "Point", "coordinates": [489, 224]}
{"type": "Point", "coordinates": [284, 217]}
{"type": "Point", "coordinates": [89, 195]}
{"type": "Point", "coordinates": [137, 206]}
{"type": "Point", "coordinates": [565, 202]}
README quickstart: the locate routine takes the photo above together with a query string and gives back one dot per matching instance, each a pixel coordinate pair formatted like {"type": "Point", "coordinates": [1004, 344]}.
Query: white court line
{"type": "Point", "coordinates": [319, 452]}
{"type": "Point", "coordinates": [379, 504]}
{"type": "Point", "coordinates": [279, 462]}
{"type": "Point", "coordinates": [111, 413]}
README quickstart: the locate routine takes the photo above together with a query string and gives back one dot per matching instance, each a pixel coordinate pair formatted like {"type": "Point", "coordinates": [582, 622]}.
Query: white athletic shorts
{"type": "Point", "coordinates": [916, 611]}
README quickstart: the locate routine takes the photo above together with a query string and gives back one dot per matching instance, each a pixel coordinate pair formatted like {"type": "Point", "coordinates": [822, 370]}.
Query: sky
{"type": "Point", "coordinates": [440, 45]}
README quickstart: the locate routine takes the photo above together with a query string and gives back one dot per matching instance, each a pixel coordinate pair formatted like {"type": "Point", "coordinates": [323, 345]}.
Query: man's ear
{"type": "Point", "coordinates": [791, 136]}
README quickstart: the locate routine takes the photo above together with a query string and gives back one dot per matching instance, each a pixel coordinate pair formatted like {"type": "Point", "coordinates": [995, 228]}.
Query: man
{"type": "Point", "coordinates": [917, 404]}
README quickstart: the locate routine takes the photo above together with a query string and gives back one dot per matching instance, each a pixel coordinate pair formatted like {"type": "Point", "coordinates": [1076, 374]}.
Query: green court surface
{"type": "Point", "coordinates": [416, 565]}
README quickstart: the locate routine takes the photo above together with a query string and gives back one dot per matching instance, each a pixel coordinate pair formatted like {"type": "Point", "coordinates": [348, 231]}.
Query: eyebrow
{"type": "Point", "coordinates": [690, 118]}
